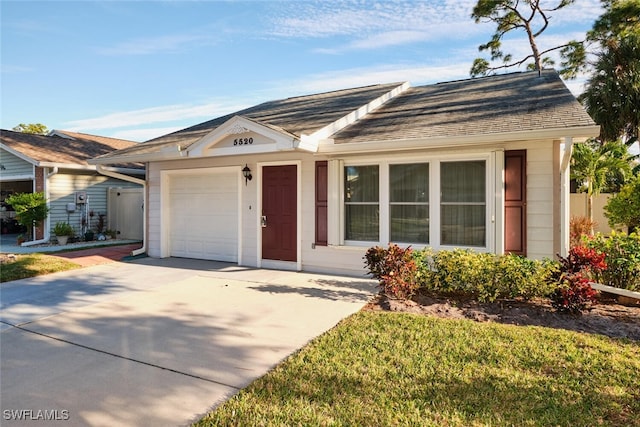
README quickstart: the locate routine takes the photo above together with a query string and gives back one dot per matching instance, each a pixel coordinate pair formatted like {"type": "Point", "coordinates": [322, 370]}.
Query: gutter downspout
{"type": "Point", "coordinates": [139, 181]}
{"type": "Point", "coordinates": [564, 196]}
{"type": "Point", "coordinates": [47, 225]}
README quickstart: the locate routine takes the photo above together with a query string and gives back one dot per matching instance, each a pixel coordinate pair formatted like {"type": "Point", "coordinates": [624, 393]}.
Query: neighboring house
{"type": "Point", "coordinates": [309, 183]}
{"type": "Point", "coordinates": [57, 165]}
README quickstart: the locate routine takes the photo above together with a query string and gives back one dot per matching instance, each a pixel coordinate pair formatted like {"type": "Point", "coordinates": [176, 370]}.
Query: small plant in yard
{"type": "Point", "coordinates": [63, 229]}
{"type": "Point", "coordinates": [31, 209]}
{"type": "Point", "coordinates": [580, 226]}
{"type": "Point", "coordinates": [574, 294]}
{"type": "Point", "coordinates": [395, 268]}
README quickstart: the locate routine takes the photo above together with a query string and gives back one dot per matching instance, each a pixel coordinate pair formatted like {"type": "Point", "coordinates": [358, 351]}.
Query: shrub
{"type": "Point", "coordinates": [579, 226]}
{"type": "Point", "coordinates": [63, 229]}
{"type": "Point", "coordinates": [30, 208]}
{"type": "Point", "coordinates": [573, 292]}
{"type": "Point", "coordinates": [517, 276]}
{"type": "Point", "coordinates": [624, 207]}
{"type": "Point", "coordinates": [622, 256]}
{"type": "Point", "coordinates": [485, 276]}
{"type": "Point", "coordinates": [395, 269]}
{"type": "Point", "coordinates": [464, 271]}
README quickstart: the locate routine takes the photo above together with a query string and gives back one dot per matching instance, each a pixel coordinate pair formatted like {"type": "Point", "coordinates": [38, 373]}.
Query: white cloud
{"type": "Point", "coordinates": [416, 74]}
{"type": "Point", "coordinates": [150, 45]}
{"type": "Point", "coordinates": [7, 68]}
{"type": "Point", "coordinates": [141, 135]}
{"type": "Point", "coordinates": [350, 18]}
{"type": "Point", "coordinates": [381, 24]}
{"type": "Point", "coordinates": [144, 117]}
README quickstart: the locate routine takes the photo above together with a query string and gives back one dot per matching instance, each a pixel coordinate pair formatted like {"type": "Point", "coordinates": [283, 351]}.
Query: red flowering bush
{"type": "Point", "coordinates": [574, 294]}
{"type": "Point", "coordinates": [395, 268]}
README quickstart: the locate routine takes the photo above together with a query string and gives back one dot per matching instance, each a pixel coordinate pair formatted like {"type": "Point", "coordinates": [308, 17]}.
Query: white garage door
{"type": "Point", "coordinates": [203, 215]}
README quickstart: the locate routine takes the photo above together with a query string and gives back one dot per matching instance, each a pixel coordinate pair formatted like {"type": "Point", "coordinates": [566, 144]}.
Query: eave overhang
{"type": "Point", "coordinates": [577, 133]}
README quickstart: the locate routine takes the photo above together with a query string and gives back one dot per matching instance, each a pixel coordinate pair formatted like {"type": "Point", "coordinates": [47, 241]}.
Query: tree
{"type": "Point", "coordinates": [595, 166]}
{"type": "Point", "coordinates": [33, 128]}
{"type": "Point", "coordinates": [611, 54]}
{"type": "Point", "coordinates": [30, 208]}
{"type": "Point", "coordinates": [624, 207]}
{"type": "Point", "coordinates": [531, 16]}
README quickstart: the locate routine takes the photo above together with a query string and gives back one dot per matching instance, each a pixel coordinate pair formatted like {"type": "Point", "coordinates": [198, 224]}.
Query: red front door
{"type": "Point", "coordinates": [515, 202]}
{"type": "Point", "coordinates": [279, 212]}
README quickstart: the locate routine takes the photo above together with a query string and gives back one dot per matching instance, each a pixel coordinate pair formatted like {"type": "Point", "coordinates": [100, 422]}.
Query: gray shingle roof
{"type": "Point", "coordinates": [491, 105]}
{"type": "Point", "coordinates": [297, 115]}
{"type": "Point", "coordinates": [498, 104]}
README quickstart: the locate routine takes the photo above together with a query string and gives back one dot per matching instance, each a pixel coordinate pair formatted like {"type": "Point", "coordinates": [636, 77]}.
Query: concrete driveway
{"type": "Point", "coordinates": [155, 342]}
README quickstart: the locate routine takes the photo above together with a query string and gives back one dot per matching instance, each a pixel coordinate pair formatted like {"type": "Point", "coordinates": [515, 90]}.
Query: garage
{"type": "Point", "coordinates": [203, 215]}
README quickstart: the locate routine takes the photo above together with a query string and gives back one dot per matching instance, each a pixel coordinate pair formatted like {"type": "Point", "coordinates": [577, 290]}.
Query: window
{"type": "Point", "coordinates": [463, 203]}
{"type": "Point", "coordinates": [409, 203]}
{"type": "Point", "coordinates": [362, 195]}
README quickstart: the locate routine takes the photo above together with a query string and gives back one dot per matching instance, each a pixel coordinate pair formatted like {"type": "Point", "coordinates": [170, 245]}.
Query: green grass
{"type": "Point", "coordinates": [33, 265]}
{"type": "Point", "coordinates": [386, 369]}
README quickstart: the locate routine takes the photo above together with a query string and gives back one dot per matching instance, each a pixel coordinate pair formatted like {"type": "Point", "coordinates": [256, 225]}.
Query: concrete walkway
{"type": "Point", "coordinates": [155, 342]}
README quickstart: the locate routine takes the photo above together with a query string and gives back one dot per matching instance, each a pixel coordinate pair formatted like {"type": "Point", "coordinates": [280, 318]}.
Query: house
{"type": "Point", "coordinates": [57, 165]}
{"type": "Point", "coordinates": [310, 182]}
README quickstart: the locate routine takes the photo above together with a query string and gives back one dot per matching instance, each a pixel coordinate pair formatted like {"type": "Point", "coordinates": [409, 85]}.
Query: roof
{"type": "Point", "coordinates": [75, 149]}
{"type": "Point", "coordinates": [506, 104]}
{"type": "Point", "coordinates": [295, 116]}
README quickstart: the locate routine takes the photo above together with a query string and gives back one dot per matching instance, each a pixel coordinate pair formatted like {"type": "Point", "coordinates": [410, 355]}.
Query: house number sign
{"type": "Point", "coordinates": [243, 141]}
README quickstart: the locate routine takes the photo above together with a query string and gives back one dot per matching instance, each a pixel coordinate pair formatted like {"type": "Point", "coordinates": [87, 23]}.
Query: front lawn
{"type": "Point", "coordinates": [30, 265]}
{"type": "Point", "coordinates": [381, 368]}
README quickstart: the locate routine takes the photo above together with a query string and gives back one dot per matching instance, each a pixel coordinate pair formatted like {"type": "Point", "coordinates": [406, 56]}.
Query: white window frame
{"type": "Point", "coordinates": [434, 197]}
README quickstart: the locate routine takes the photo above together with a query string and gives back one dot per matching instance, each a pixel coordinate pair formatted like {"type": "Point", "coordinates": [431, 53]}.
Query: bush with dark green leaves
{"type": "Point", "coordinates": [622, 256]}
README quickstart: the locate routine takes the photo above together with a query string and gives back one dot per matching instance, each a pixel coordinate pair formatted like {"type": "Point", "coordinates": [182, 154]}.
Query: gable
{"type": "Point", "coordinates": [240, 135]}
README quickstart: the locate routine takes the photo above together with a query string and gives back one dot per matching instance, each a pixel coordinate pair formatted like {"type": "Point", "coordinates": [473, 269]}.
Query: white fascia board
{"type": "Point", "coordinates": [457, 141]}
{"type": "Point", "coordinates": [312, 142]}
{"type": "Point", "coordinates": [239, 125]}
{"type": "Point", "coordinates": [174, 154]}
{"type": "Point", "coordinates": [74, 166]}
{"type": "Point", "coordinates": [18, 154]}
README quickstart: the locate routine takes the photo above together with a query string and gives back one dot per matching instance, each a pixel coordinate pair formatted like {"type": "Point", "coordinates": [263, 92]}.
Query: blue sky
{"type": "Point", "coordinates": [141, 69]}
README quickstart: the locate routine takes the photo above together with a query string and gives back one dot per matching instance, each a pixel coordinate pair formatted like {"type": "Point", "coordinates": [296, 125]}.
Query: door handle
{"type": "Point", "coordinates": [263, 221]}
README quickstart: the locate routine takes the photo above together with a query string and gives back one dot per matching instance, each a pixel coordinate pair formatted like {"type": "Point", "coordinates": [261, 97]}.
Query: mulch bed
{"type": "Point", "coordinates": [606, 318]}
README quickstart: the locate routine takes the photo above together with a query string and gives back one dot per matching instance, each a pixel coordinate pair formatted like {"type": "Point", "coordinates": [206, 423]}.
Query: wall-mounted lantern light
{"type": "Point", "coordinates": [246, 172]}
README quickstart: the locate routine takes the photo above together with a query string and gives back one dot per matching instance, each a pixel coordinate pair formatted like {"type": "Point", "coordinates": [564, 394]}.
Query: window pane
{"type": "Point", "coordinates": [410, 224]}
{"type": "Point", "coordinates": [463, 181]}
{"type": "Point", "coordinates": [361, 222]}
{"type": "Point", "coordinates": [361, 184]}
{"type": "Point", "coordinates": [409, 183]}
{"type": "Point", "coordinates": [463, 225]}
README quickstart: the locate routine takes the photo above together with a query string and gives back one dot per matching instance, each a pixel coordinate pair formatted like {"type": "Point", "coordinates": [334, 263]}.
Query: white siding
{"type": "Point", "coordinates": [348, 259]}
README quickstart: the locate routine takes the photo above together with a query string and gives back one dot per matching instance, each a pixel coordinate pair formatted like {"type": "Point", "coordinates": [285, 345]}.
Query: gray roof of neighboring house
{"type": "Point", "coordinates": [75, 149]}
{"type": "Point", "coordinates": [503, 103]}
{"type": "Point", "coordinates": [490, 105]}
